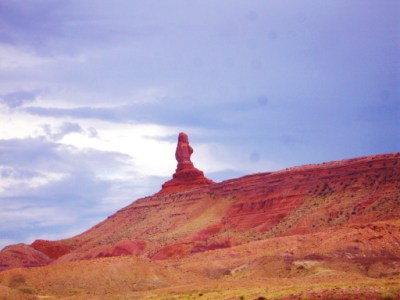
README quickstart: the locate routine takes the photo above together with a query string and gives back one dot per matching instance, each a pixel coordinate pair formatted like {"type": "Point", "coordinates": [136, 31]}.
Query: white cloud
{"type": "Point", "coordinates": [151, 155]}
{"type": "Point", "coordinates": [13, 182]}
{"type": "Point", "coordinates": [149, 146]}
{"type": "Point", "coordinates": [25, 217]}
{"type": "Point", "coordinates": [19, 124]}
{"type": "Point", "coordinates": [15, 58]}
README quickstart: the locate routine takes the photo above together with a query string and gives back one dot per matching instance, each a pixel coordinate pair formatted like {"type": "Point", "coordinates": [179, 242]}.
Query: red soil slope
{"type": "Point", "coordinates": [350, 262]}
{"type": "Point", "coordinates": [300, 200]}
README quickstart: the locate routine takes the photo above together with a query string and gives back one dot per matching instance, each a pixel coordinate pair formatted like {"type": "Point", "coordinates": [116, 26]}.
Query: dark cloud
{"type": "Point", "coordinates": [32, 24]}
{"type": "Point", "coordinates": [278, 128]}
{"type": "Point", "coordinates": [51, 27]}
{"type": "Point", "coordinates": [116, 114]}
{"type": "Point", "coordinates": [19, 98]}
{"type": "Point", "coordinates": [31, 153]}
{"type": "Point", "coordinates": [175, 112]}
{"type": "Point", "coordinates": [165, 112]}
{"type": "Point", "coordinates": [42, 154]}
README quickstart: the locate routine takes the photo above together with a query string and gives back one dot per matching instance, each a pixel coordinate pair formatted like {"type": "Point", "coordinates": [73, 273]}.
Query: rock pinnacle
{"type": "Point", "coordinates": [186, 176]}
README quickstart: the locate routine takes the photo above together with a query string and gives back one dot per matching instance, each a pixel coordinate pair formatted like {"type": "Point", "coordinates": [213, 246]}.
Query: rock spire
{"type": "Point", "coordinates": [186, 176]}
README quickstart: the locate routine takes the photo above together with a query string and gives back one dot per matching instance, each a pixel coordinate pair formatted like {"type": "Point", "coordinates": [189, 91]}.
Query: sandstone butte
{"type": "Point", "coordinates": [329, 230]}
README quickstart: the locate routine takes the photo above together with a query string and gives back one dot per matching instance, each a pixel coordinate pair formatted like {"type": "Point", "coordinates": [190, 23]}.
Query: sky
{"type": "Point", "coordinates": [93, 95]}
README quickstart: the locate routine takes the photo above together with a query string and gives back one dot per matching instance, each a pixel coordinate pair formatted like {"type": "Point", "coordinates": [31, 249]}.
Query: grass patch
{"type": "Point", "coordinates": [26, 289]}
{"type": "Point", "coordinates": [75, 292]}
{"type": "Point", "coordinates": [335, 290]}
{"type": "Point", "coordinates": [18, 282]}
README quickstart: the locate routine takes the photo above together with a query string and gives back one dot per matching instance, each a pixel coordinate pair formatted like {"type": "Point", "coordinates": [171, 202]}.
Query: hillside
{"type": "Point", "coordinates": [335, 222]}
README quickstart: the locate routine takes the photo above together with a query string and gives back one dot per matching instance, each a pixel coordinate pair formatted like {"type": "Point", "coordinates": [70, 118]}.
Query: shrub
{"type": "Point", "coordinates": [388, 296]}
{"type": "Point", "coordinates": [26, 289]}
{"type": "Point", "coordinates": [16, 280]}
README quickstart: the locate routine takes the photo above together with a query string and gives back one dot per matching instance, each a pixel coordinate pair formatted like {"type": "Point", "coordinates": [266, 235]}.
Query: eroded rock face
{"type": "Point", "coordinates": [22, 256]}
{"type": "Point", "coordinates": [186, 176]}
{"type": "Point", "coordinates": [52, 249]}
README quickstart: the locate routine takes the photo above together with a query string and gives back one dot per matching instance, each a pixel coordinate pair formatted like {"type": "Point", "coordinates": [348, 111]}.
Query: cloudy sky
{"type": "Point", "coordinates": [94, 93]}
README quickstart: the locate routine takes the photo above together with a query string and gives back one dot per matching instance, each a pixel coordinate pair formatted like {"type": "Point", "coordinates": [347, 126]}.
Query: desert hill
{"type": "Point", "coordinates": [335, 222]}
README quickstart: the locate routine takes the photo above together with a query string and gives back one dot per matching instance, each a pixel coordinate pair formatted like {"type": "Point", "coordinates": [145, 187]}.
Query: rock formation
{"type": "Point", "coordinates": [317, 222]}
{"type": "Point", "coordinates": [186, 176]}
